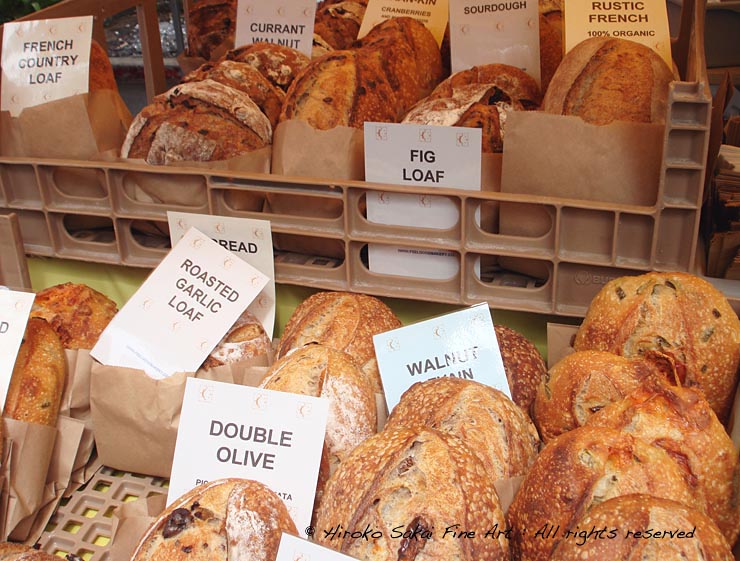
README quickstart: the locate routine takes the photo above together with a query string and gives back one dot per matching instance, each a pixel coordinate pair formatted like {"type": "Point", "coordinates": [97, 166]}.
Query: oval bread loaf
{"type": "Point", "coordinates": [523, 364]}
{"type": "Point", "coordinates": [245, 339]}
{"type": "Point", "coordinates": [338, 23]}
{"type": "Point", "coordinates": [211, 24]}
{"type": "Point", "coordinates": [279, 64]}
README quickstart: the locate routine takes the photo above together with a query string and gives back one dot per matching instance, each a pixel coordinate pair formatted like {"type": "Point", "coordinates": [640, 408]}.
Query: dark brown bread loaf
{"type": "Point", "coordinates": [211, 24]}
{"type": "Point", "coordinates": [676, 317]}
{"type": "Point", "coordinates": [483, 418]}
{"type": "Point", "coordinates": [681, 422]}
{"type": "Point", "coordinates": [101, 70]}
{"type": "Point", "coordinates": [245, 339]}
{"type": "Point", "coordinates": [419, 481]}
{"type": "Point", "coordinates": [76, 312]}
{"type": "Point", "coordinates": [246, 78]}
{"type": "Point", "coordinates": [338, 23]}
{"type": "Point", "coordinates": [605, 79]}
{"type": "Point", "coordinates": [197, 121]}
{"type": "Point", "coordinates": [223, 520]}
{"type": "Point", "coordinates": [523, 364]}
{"type": "Point", "coordinates": [577, 471]}
{"type": "Point", "coordinates": [279, 64]}
{"type": "Point", "coordinates": [40, 372]}
{"type": "Point", "coordinates": [344, 321]}
{"type": "Point", "coordinates": [551, 40]}
{"type": "Point", "coordinates": [667, 530]}
{"type": "Point", "coordinates": [583, 383]}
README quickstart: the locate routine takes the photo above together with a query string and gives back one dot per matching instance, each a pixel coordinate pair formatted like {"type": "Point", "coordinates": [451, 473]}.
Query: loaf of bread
{"type": "Point", "coordinates": [551, 39]}
{"type": "Point", "coordinates": [279, 64]}
{"type": "Point", "coordinates": [605, 79]}
{"type": "Point", "coordinates": [197, 121]}
{"type": "Point", "coordinates": [344, 321]}
{"type": "Point", "coordinates": [320, 47]}
{"type": "Point", "coordinates": [339, 23]}
{"type": "Point", "coordinates": [523, 364]}
{"type": "Point", "coordinates": [76, 312]}
{"type": "Point", "coordinates": [210, 24]}
{"type": "Point", "coordinates": [580, 469]}
{"type": "Point", "coordinates": [246, 78]}
{"type": "Point", "coordinates": [681, 422]}
{"type": "Point", "coordinates": [581, 384]}
{"type": "Point", "coordinates": [101, 75]}
{"type": "Point", "coordinates": [40, 372]}
{"type": "Point", "coordinates": [644, 528]}
{"type": "Point", "coordinates": [671, 317]}
{"type": "Point", "coordinates": [483, 418]}
{"type": "Point", "coordinates": [245, 339]}
{"type": "Point", "coordinates": [223, 520]}
{"type": "Point", "coordinates": [413, 488]}
{"type": "Point", "coordinates": [11, 551]}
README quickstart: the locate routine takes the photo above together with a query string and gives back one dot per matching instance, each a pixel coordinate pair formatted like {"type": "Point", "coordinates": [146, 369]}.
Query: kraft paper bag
{"type": "Point", "coordinates": [506, 489]}
{"type": "Point", "coordinates": [131, 521]}
{"type": "Point", "coordinates": [135, 417]}
{"type": "Point", "coordinates": [76, 405]}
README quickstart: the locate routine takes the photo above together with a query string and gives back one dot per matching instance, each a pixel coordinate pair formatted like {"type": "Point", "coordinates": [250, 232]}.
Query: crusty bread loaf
{"type": "Point", "coordinates": [223, 520]}
{"type": "Point", "coordinates": [197, 121]}
{"type": "Point", "coordinates": [11, 551]}
{"type": "Point", "coordinates": [667, 530]}
{"type": "Point", "coordinates": [245, 339]}
{"type": "Point", "coordinates": [419, 481]}
{"type": "Point", "coordinates": [77, 312]}
{"type": "Point", "coordinates": [681, 422]}
{"type": "Point", "coordinates": [581, 384]}
{"type": "Point", "coordinates": [551, 40]}
{"type": "Point", "coordinates": [320, 47]}
{"type": "Point", "coordinates": [488, 422]}
{"type": "Point", "coordinates": [580, 469]}
{"type": "Point", "coordinates": [338, 23]}
{"type": "Point", "coordinates": [605, 79]}
{"type": "Point", "coordinates": [246, 78]}
{"type": "Point", "coordinates": [101, 75]}
{"type": "Point", "coordinates": [40, 372]}
{"type": "Point", "coordinates": [279, 64]}
{"type": "Point", "coordinates": [211, 24]}
{"type": "Point", "coordinates": [523, 364]}
{"type": "Point", "coordinates": [674, 317]}
{"type": "Point", "coordinates": [344, 321]}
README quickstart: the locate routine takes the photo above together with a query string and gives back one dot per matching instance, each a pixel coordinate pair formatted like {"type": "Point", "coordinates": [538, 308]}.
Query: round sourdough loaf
{"type": "Point", "coordinates": [523, 364]}
{"type": "Point", "coordinates": [605, 79]}
{"type": "Point", "coordinates": [406, 488]}
{"type": "Point", "coordinates": [244, 77]}
{"type": "Point", "coordinates": [197, 121]}
{"type": "Point", "coordinates": [581, 384]}
{"type": "Point", "coordinates": [245, 339]}
{"type": "Point", "coordinates": [210, 24]}
{"type": "Point", "coordinates": [279, 64]}
{"type": "Point", "coordinates": [223, 520]}
{"type": "Point", "coordinates": [492, 426]}
{"type": "Point", "coordinates": [344, 321]}
{"type": "Point", "coordinates": [339, 23]}
{"type": "Point", "coordinates": [11, 551]}
{"type": "Point", "coordinates": [671, 317]}
{"type": "Point", "coordinates": [76, 312]}
{"type": "Point", "coordinates": [665, 530]}
{"type": "Point", "coordinates": [681, 422]}
{"type": "Point", "coordinates": [579, 470]}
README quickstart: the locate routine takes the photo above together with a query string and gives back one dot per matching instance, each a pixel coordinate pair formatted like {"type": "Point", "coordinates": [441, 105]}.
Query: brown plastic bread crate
{"type": "Point", "coordinates": [321, 232]}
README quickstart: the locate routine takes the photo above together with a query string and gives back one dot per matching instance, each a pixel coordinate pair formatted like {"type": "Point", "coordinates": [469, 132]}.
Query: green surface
{"type": "Point", "coordinates": [119, 283]}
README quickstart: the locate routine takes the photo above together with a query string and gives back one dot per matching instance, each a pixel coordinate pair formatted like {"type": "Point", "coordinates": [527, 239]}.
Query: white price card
{"type": "Point", "coordinates": [285, 22]}
{"type": "Point", "coordinates": [495, 32]}
{"type": "Point", "coordinates": [414, 262]}
{"type": "Point", "coordinates": [182, 310]}
{"type": "Point", "coordinates": [44, 60]}
{"type": "Point", "coordinates": [249, 239]}
{"type": "Point", "coordinates": [292, 548]}
{"type": "Point", "coordinates": [272, 437]}
{"type": "Point", "coordinates": [434, 14]}
{"type": "Point", "coordinates": [461, 344]}
{"type": "Point", "coordinates": [14, 310]}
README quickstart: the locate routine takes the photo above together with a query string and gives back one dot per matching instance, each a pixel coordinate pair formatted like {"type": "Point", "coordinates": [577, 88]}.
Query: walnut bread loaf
{"type": "Point", "coordinates": [523, 364]}
{"type": "Point", "coordinates": [223, 520]}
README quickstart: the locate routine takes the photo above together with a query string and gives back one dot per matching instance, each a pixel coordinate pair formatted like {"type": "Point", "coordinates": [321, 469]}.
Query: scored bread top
{"type": "Point", "coordinates": [245, 339]}
{"type": "Point", "coordinates": [523, 364]}
{"type": "Point", "coordinates": [279, 64]}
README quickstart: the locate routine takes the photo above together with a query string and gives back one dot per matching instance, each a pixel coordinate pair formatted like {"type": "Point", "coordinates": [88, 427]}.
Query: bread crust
{"type": "Point", "coordinates": [211, 23]}
{"type": "Point", "coordinates": [245, 339]}
{"type": "Point", "coordinates": [10, 551]}
{"type": "Point", "coordinates": [339, 23]}
{"type": "Point", "coordinates": [279, 64]}
{"type": "Point", "coordinates": [523, 363]}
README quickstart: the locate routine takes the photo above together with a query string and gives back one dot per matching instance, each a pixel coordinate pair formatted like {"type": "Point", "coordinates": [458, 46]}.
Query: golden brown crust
{"type": "Point", "coordinates": [523, 364]}
{"type": "Point", "coordinates": [680, 421]}
{"type": "Point", "coordinates": [10, 551]}
{"type": "Point", "coordinates": [40, 372]}
{"type": "Point", "coordinates": [245, 339]}
{"type": "Point", "coordinates": [700, 540]}
{"type": "Point", "coordinates": [77, 313]}
{"type": "Point", "coordinates": [344, 321]}
{"type": "Point", "coordinates": [279, 64]}
{"type": "Point", "coordinates": [489, 423]}
{"type": "Point", "coordinates": [581, 384]}
{"type": "Point", "coordinates": [224, 520]}
{"type": "Point", "coordinates": [551, 43]}
{"type": "Point", "coordinates": [211, 23]}
{"type": "Point", "coordinates": [676, 317]}
{"type": "Point", "coordinates": [604, 79]}
{"type": "Point", "coordinates": [404, 479]}
{"type": "Point", "coordinates": [339, 23]}
{"type": "Point", "coordinates": [580, 469]}
{"type": "Point", "coordinates": [101, 70]}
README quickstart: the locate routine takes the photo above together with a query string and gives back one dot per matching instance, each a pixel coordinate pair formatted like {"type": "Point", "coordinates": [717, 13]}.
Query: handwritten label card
{"type": "Point", "coordinates": [293, 548]}
{"type": "Point", "coordinates": [182, 309]}
{"type": "Point", "coordinates": [272, 437]}
{"type": "Point", "coordinates": [495, 32]}
{"type": "Point", "coordinates": [44, 60]}
{"type": "Point", "coordinates": [434, 14]}
{"type": "Point", "coordinates": [285, 22]}
{"type": "Point", "coordinates": [639, 20]}
{"type": "Point", "coordinates": [14, 310]}
{"type": "Point", "coordinates": [248, 239]}
{"type": "Point", "coordinates": [461, 344]}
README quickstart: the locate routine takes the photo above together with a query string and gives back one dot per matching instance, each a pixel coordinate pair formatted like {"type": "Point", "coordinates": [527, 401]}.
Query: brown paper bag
{"type": "Point", "coordinates": [76, 405]}
{"type": "Point", "coordinates": [559, 342]}
{"type": "Point", "coordinates": [135, 417]}
{"type": "Point", "coordinates": [132, 520]}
